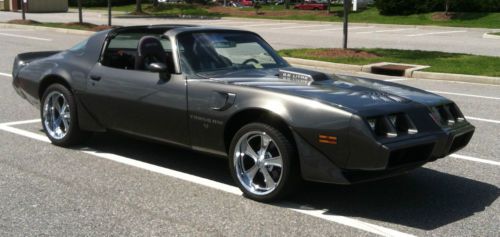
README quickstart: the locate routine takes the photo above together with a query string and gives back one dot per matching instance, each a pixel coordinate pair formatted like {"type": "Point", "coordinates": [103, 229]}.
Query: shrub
{"type": "Point", "coordinates": [406, 7]}
{"type": "Point", "coordinates": [103, 3]}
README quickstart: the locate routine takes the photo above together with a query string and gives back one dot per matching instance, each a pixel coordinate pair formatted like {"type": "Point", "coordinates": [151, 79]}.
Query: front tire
{"type": "Point", "coordinates": [59, 116]}
{"type": "Point", "coordinates": [263, 163]}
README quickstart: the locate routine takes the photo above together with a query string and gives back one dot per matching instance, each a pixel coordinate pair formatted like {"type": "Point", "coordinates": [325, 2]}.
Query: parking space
{"type": "Point", "coordinates": [115, 185]}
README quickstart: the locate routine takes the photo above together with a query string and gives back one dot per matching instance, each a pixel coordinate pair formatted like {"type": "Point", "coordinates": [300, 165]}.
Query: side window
{"type": "Point", "coordinates": [121, 51]}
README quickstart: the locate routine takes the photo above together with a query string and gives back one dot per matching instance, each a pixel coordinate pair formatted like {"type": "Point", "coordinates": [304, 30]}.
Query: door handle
{"type": "Point", "coordinates": [95, 77]}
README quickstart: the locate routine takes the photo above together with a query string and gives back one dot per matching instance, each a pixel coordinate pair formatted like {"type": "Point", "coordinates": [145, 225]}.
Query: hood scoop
{"type": "Point", "coordinates": [302, 75]}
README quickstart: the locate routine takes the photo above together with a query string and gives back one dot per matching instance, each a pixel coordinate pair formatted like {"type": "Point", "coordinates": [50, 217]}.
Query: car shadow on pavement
{"type": "Point", "coordinates": [425, 199]}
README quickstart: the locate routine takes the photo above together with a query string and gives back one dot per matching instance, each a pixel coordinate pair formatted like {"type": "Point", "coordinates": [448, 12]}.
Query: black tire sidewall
{"type": "Point", "coordinates": [74, 133]}
{"type": "Point", "coordinates": [290, 163]}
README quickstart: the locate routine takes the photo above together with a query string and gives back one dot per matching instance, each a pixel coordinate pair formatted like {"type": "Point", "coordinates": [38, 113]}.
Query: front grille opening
{"type": "Point", "coordinates": [402, 124]}
{"type": "Point", "coordinates": [415, 154]}
{"type": "Point", "coordinates": [460, 142]}
{"type": "Point", "coordinates": [447, 115]}
{"type": "Point", "coordinates": [455, 112]}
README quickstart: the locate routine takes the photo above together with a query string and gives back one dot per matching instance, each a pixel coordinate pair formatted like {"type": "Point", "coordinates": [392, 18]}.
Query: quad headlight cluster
{"type": "Point", "coordinates": [392, 125]}
{"type": "Point", "coordinates": [446, 115]}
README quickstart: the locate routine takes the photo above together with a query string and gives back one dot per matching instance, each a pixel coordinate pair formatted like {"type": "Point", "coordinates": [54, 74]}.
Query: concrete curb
{"type": "Point", "coordinates": [490, 36]}
{"type": "Point", "coordinates": [456, 77]}
{"type": "Point", "coordinates": [325, 65]}
{"type": "Point", "coordinates": [338, 67]}
{"type": "Point", "coordinates": [182, 17]}
{"type": "Point", "coordinates": [44, 28]}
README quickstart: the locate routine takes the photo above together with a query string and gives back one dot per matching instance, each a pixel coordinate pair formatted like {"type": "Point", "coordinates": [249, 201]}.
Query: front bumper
{"type": "Point", "coordinates": [373, 160]}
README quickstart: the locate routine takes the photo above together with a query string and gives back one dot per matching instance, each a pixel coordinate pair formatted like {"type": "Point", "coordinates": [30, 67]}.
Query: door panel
{"type": "Point", "coordinates": [139, 102]}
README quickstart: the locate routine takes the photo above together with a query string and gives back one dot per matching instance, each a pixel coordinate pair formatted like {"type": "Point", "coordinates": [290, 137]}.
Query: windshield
{"type": "Point", "coordinates": [208, 54]}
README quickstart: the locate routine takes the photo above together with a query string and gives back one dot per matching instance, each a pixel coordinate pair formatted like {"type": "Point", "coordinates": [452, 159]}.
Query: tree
{"type": "Point", "coordinates": [347, 8]}
{"type": "Point", "coordinates": [138, 6]}
{"type": "Point", "coordinates": [287, 4]}
{"type": "Point", "coordinates": [155, 3]}
{"type": "Point", "coordinates": [446, 6]}
{"type": "Point", "coordinates": [80, 15]}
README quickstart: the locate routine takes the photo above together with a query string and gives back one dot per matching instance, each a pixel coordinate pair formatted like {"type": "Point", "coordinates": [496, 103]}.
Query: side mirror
{"type": "Point", "coordinates": [157, 67]}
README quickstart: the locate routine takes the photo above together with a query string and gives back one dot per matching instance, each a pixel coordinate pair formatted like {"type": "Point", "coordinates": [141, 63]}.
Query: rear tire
{"type": "Point", "coordinates": [264, 163]}
{"type": "Point", "coordinates": [59, 116]}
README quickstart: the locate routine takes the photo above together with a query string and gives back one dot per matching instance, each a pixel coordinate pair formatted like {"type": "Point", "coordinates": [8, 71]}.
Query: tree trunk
{"type": "Point", "coordinates": [155, 3]}
{"type": "Point", "coordinates": [287, 4]}
{"type": "Point", "coordinates": [80, 15]}
{"type": "Point", "coordinates": [138, 6]}
{"type": "Point", "coordinates": [347, 8]}
{"type": "Point", "coordinates": [446, 7]}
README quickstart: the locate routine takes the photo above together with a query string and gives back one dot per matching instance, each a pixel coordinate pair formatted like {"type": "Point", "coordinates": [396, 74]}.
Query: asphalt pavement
{"type": "Point", "coordinates": [302, 34]}
{"type": "Point", "coordinates": [119, 186]}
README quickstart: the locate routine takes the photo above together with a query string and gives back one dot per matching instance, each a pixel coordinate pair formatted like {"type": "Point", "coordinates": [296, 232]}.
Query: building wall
{"type": "Point", "coordinates": [38, 5]}
{"type": "Point", "coordinates": [47, 5]}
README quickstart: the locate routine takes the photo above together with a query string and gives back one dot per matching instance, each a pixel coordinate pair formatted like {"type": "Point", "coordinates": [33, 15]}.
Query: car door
{"type": "Point", "coordinates": [138, 102]}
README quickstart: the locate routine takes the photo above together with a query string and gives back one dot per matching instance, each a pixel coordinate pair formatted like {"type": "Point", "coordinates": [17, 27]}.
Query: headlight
{"type": "Point", "coordinates": [392, 125]}
{"type": "Point", "coordinates": [446, 115]}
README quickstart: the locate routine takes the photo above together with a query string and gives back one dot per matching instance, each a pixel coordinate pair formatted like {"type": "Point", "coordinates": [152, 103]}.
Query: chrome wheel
{"type": "Point", "coordinates": [56, 115]}
{"type": "Point", "coordinates": [258, 163]}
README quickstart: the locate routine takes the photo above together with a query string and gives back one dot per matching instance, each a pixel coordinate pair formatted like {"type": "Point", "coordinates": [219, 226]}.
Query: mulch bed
{"type": "Point", "coordinates": [90, 26]}
{"type": "Point", "coordinates": [24, 22]}
{"type": "Point", "coordinates": [443, 16]}
{"type": "Point", "coordinates": [84, 25]}
{"type": "Point", "coordinates": [341, 53]}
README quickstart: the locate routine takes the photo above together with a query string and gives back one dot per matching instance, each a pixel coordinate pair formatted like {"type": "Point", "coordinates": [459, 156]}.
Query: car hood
{"type": "Point", "coordinates": [355, 94]}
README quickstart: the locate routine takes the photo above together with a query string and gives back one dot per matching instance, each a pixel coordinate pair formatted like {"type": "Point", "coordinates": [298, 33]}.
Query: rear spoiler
{"type": "Point", "coordinates": [28, 57]}
{"type": "Point", "coordinates": [23, 59]}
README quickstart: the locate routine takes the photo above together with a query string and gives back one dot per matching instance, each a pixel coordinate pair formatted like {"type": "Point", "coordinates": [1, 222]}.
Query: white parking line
{"type": "Point", "coordinates": [25, 37]}
{"type": "Point", "coordinates": [14, 30]}
{"type": "Point", "coordinates": [438, 33]}
{"type": "Point", "coordinates": [350, 28]}
{"type": "Point", "coordinates": [470, 158]}
{"type": "Point", "coordinates": [383, 31]}
{"type": "Point", "coordinates": [268, 24]}
{"type": "Point", "coordinates": [227, 22]}
{"type": "Point", "coordinates": [467, 95]}
{"type": "Point", "coordinates": [483, 120]}
{"type": "Point", "coordinates": [5, 74]}
{"type": "Point", "coordinates": [298, 27]}
{"type": "Point", "coordinates": [397, 79]}
{"type": "Point", "coordinates": [347, 221]}
{"type": "Point", "coordinates": [21, 122]}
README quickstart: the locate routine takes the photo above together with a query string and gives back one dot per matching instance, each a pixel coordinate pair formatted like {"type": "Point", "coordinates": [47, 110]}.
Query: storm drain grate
{"type": "Point", "coordinates": [390, 69]}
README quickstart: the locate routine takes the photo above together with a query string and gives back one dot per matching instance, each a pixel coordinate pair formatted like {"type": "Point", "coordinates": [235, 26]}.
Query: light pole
{"type": "Point", "coordinates": [23, 10]}
{"type": "Point", "coordinates": [346, 20]}
{"type": "Point", "coordinates": [109, 12]}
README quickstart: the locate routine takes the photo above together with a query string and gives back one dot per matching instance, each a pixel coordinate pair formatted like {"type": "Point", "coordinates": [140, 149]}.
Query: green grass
{"type": "Point", "coordinates": [439, 61]}
{"type": "Point", "coordinates": [496, 33]}
{"type": "Point", "coordinates": [372, 15]}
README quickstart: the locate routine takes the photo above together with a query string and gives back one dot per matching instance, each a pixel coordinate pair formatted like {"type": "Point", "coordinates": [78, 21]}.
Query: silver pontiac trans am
{"type": "Point", "coordinates": [227, 92]}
